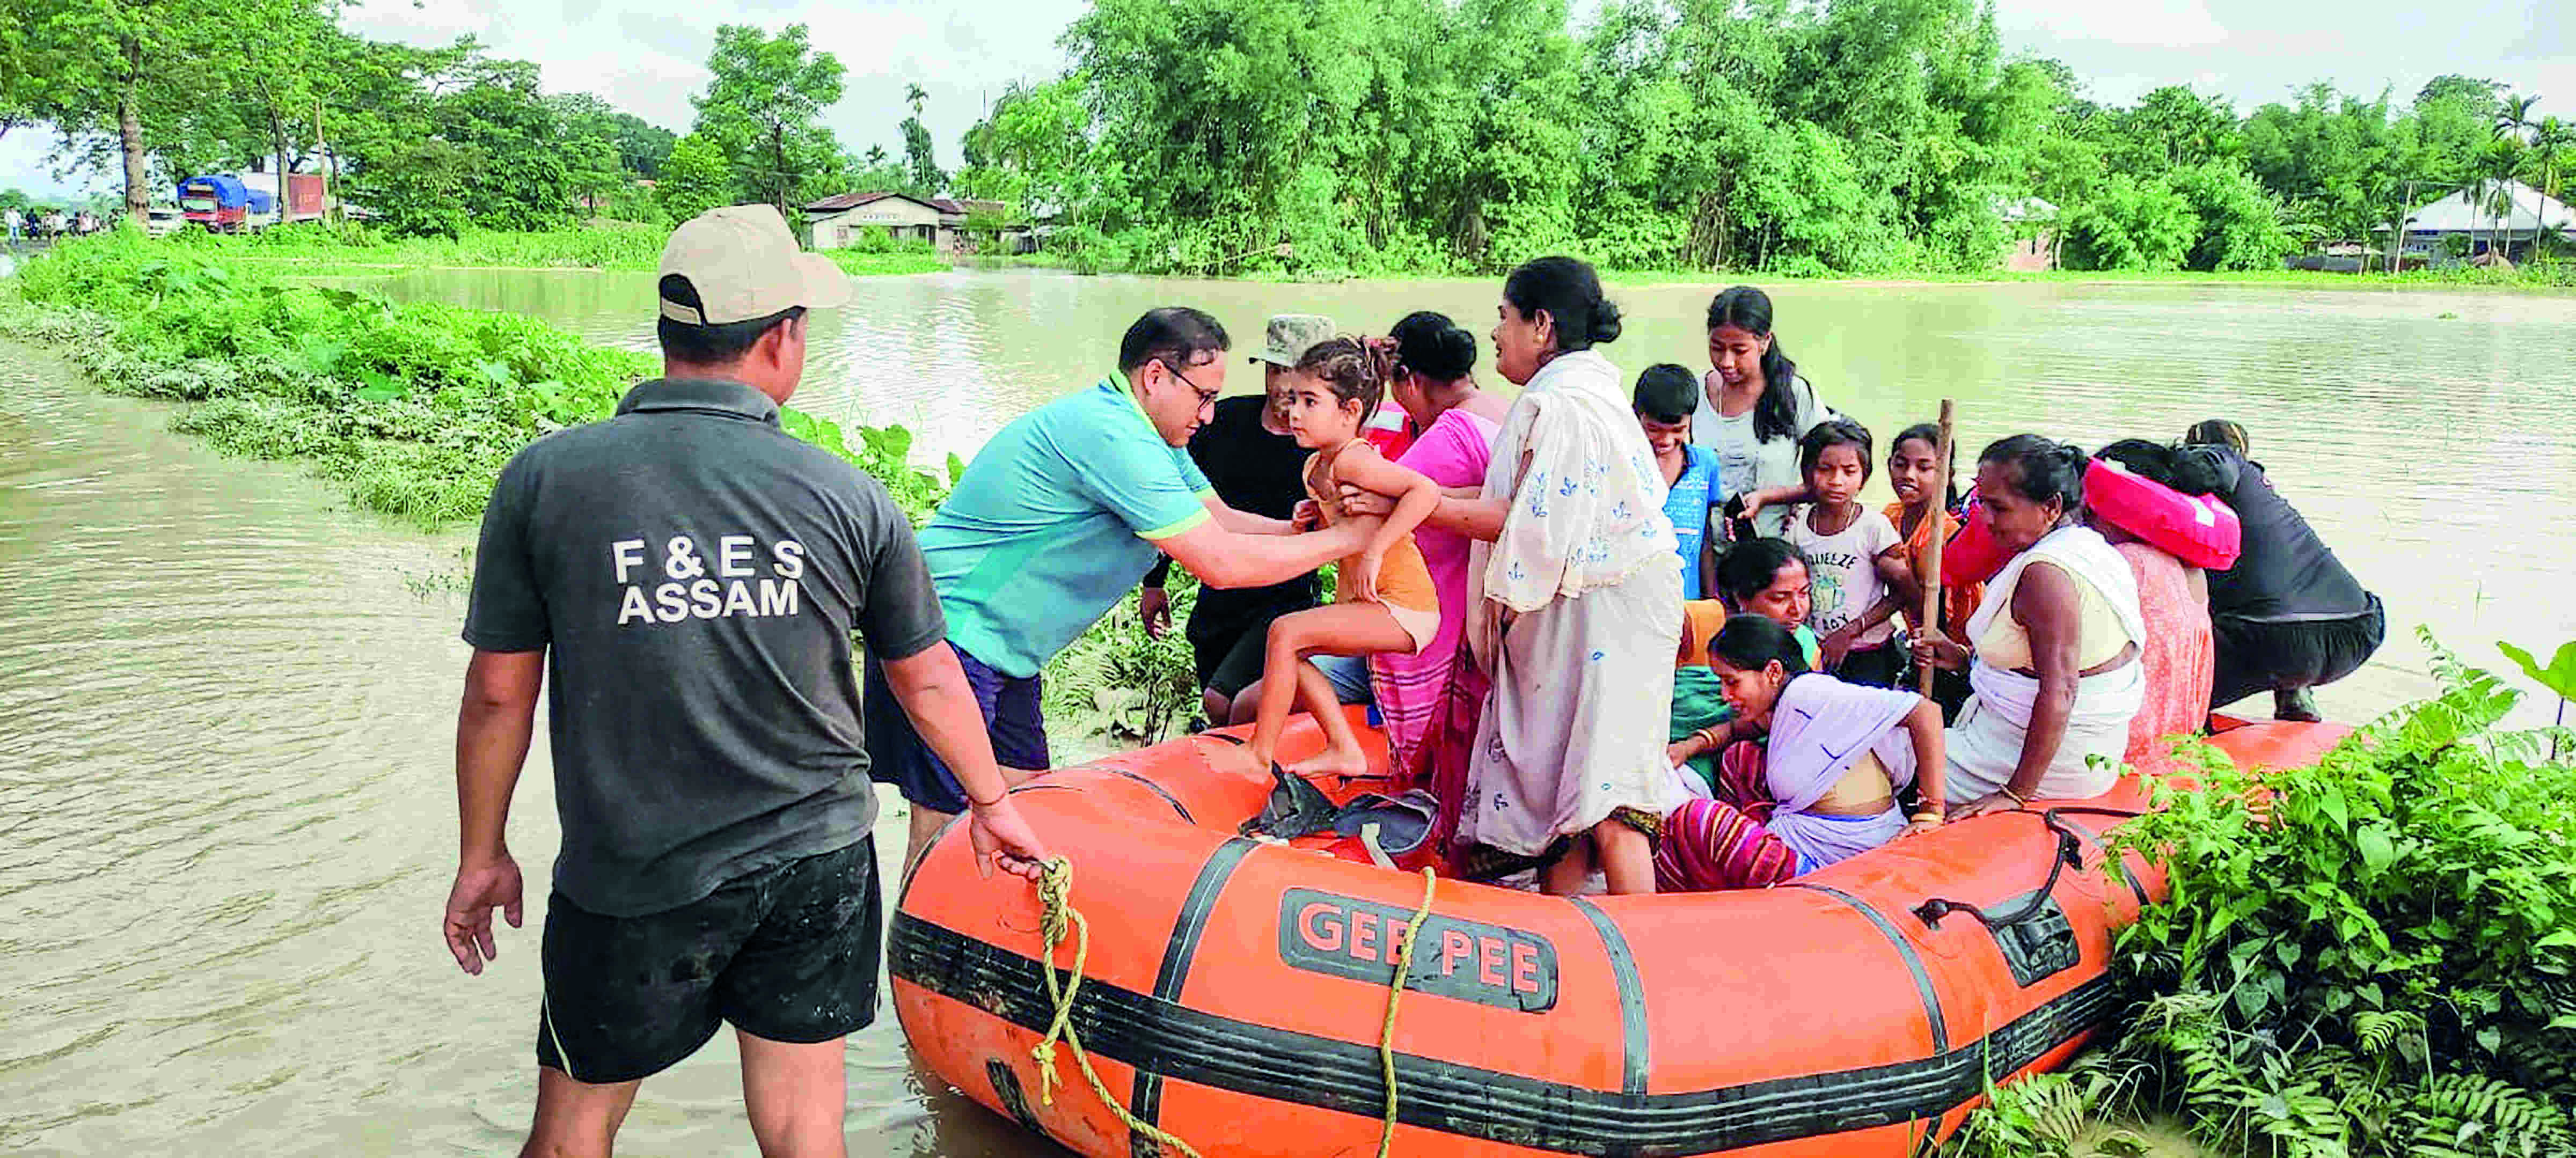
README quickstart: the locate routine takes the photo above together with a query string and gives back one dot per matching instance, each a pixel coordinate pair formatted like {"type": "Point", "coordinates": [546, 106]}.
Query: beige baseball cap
{"type": "Point", "coordinates": [745, 264]}
{"type": "Point", "coordinates": [1290, 336]}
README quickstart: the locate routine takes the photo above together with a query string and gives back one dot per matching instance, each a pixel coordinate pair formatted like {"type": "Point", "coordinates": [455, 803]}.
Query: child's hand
{"type": "Point", "coordinates": [1835, 645]}
{"type": "Point", "coordinates": [1306, 516]}
{"type": "Point", "coordinates": [1362, 574]}
{"type": "Point", "coordinates": [1358, 503]}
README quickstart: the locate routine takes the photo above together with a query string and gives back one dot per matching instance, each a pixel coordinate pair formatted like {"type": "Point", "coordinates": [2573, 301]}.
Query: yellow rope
{"type": "Point", "coordinates": [1055, 895]}
{"type": "Point", "coordinates": [1394, 992]}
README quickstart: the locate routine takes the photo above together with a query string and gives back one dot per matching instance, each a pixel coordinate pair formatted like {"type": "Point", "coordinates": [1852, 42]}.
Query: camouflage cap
{"type": "Point", "coordinates": [1291, 335]}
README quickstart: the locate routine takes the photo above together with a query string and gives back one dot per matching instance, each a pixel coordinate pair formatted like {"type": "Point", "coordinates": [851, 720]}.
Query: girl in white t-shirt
{"type": "Point", "coordinates": [1753, 406]}
{"type": "Point", "coordinates": [1854, 556]}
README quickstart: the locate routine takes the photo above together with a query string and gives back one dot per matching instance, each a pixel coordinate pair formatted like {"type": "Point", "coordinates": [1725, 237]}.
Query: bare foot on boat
{"type": "Point", "coordinates": [1237, 759]}
{"type": "Point", "coordinates": [1333, 762]}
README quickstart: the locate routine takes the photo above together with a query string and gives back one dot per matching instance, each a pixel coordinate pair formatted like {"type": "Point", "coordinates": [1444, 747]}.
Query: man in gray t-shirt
{"type": "Point", "coordinates": [695, 575]}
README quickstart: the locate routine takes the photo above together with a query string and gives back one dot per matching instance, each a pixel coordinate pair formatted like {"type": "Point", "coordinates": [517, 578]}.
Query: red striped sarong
{"type": "Point", "coordinates": [1447, 744]}
{"type": "Point", "coordinates": [1411, 691]}
{"type": "Point", "coordinates": [1722, 843]}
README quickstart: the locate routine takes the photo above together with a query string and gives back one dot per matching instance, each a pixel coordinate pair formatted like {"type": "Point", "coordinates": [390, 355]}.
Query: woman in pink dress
{"type": "Point", "coordinates": [1429, 702]}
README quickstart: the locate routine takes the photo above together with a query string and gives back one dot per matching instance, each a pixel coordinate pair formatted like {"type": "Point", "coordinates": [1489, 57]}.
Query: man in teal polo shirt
{"type": "Point", "coordinates": [1056, 519]}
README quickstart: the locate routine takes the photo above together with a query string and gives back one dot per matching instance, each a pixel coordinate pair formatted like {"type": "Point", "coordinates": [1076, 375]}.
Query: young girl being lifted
{"type": "Point", "coordinates": [1385, 600]}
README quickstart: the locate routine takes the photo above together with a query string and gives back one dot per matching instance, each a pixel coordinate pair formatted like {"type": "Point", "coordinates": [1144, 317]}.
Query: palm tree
{"type": "Point", "coordinates": [2512, 120]}
{"type": "Point", "coordinates": [2551, 142]}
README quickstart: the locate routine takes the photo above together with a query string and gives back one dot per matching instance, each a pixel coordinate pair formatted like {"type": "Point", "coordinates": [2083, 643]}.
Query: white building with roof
{"type": "Point", "coordinates": [2528, 216]}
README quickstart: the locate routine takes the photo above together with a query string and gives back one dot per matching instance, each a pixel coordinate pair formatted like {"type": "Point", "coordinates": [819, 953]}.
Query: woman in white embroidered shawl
{"type": "Point", "coordinates": [1573, 599]}
{"type": "Point", "coordinates": [2052, 653]}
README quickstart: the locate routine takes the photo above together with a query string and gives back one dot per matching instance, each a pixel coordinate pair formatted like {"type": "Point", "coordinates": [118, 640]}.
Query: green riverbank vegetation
{"type": "Point", "coordinates": [348, 249]}
{"type": "Point", "coordinates": [411, 407]}
{"type": "Point", "coordinates": [1868, 137]}
{"type": "Point", "coordinates": [1872, 138]}
{"type": "Point", "coordinates": [2374, 956]}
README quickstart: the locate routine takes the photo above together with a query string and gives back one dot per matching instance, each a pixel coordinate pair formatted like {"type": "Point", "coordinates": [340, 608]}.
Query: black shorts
{"type": "Point", "coordinates": [1228, 645]}
{"type": "Point", "coordinates": [788, 953]}
{"type": "Point", "coordinates": [2282, 656]}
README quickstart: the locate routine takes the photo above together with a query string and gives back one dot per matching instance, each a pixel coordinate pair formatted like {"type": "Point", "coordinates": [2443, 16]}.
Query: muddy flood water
{"type": "Point", "coordinates": [227, 702]}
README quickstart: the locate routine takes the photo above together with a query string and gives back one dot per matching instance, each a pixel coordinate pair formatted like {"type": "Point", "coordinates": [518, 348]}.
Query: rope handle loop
{"type": "Point", "coordinates": [1060, 918]}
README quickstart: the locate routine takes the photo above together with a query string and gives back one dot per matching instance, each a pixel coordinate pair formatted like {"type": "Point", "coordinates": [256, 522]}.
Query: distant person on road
{"type": "Point", "coordinates": [17, 225]}
{"type": "Point", "coordinates": [2288, 616]}
{"type": "Point", "coordinates": [1247, 455]}
{"type": "Point", "coordinates": [1056, 519]}
{"type": "Point", "coordinates": [696, 575]}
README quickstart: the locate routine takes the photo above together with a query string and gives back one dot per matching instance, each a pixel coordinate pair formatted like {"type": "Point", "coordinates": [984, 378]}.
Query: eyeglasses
{"type": "Point", "coordinates": [1207, 398]}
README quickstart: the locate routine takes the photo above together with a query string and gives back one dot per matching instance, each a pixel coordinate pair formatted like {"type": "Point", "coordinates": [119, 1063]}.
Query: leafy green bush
{"type": "Point", "coordinates": [866, 263]}
{"type": "Point", "coordinates": [2373, 956]}
{"type": "Point", "coordinates": [1117, 683]}
{"type": "Point", "coordinates": [316, 248]}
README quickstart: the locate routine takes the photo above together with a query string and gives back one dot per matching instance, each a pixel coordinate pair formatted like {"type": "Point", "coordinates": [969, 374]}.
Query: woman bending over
{"type": "Point", "coordinates": [1821, 789]}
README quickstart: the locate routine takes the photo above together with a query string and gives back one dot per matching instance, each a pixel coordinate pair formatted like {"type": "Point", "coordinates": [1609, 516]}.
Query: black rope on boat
{"type": "Point", "coordinates": [2070, 854]}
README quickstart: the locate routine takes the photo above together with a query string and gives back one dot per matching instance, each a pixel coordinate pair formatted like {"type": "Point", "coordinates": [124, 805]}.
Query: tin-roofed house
{"type": "Point", "coordinates": [2482, 223]}
{"type": "Point", "coordinates": [841, 221]}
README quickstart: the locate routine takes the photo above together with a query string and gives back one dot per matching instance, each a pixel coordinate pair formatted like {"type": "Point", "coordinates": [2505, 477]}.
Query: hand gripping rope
{"type": "Point", "coordinates": [1055, 895]}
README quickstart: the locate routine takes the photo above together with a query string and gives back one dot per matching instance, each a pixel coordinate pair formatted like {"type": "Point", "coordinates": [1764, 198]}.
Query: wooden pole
{"type": "Point", "coordinates": [1931, 576]}
{"type": "Point", "coordinates": [321, 162]}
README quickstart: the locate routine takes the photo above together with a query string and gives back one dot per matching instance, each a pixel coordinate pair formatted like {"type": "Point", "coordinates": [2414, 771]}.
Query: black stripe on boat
{"type": "Point", "coordinates": [1913, 961]}
{"type": "Point", "coordinates": [1150, 786]}
{"type": "Point", "coordinates": [1177, 1043]}
{"type": "Point", "coordinates": [1146, 1099]}
{"type": "Point", "coordinates": [1634, 1034]}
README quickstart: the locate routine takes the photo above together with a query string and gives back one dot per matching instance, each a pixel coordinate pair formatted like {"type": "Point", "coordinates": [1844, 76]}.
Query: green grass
{"type": "Point", "coordinates": [862, 264]}
{"type": "Point", "coordinates": [316, 250]}
{"type": "Point", "coordinates": [2544, 277]}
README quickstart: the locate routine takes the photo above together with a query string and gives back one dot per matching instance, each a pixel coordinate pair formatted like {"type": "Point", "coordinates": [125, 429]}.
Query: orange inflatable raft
{"type": "Point", "coordinates": [1236, 990]}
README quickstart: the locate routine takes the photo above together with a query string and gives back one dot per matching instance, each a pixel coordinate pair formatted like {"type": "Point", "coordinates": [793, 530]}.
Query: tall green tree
{"type": "Point", "coordinates": [925, 178]}
{"type": "Point", "coordinates": [124, 73]}
{"type": "Point", "coordinates": [696, 177]}
{"type": "Point", "coordinates": [1029, 149]}
{"type": "Point", "coordinates": [764, 108]}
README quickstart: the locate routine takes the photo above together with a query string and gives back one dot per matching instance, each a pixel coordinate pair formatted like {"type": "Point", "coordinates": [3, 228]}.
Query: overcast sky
{"type": "Point", "coordinates": [648, 56]}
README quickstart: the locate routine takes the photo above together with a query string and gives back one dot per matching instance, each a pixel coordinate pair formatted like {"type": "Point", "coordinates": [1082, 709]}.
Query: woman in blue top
{"type": "Point", "coordinates": [1664, 399]}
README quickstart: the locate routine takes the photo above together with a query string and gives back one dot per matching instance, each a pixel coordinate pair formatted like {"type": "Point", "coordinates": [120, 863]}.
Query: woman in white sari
{"type": "Point", "coordinates": [1573, 598]}
{"type": "Point", "coordinates": [2053, 652]}
{"type": "Point", "coordinates": [1573, 595]}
